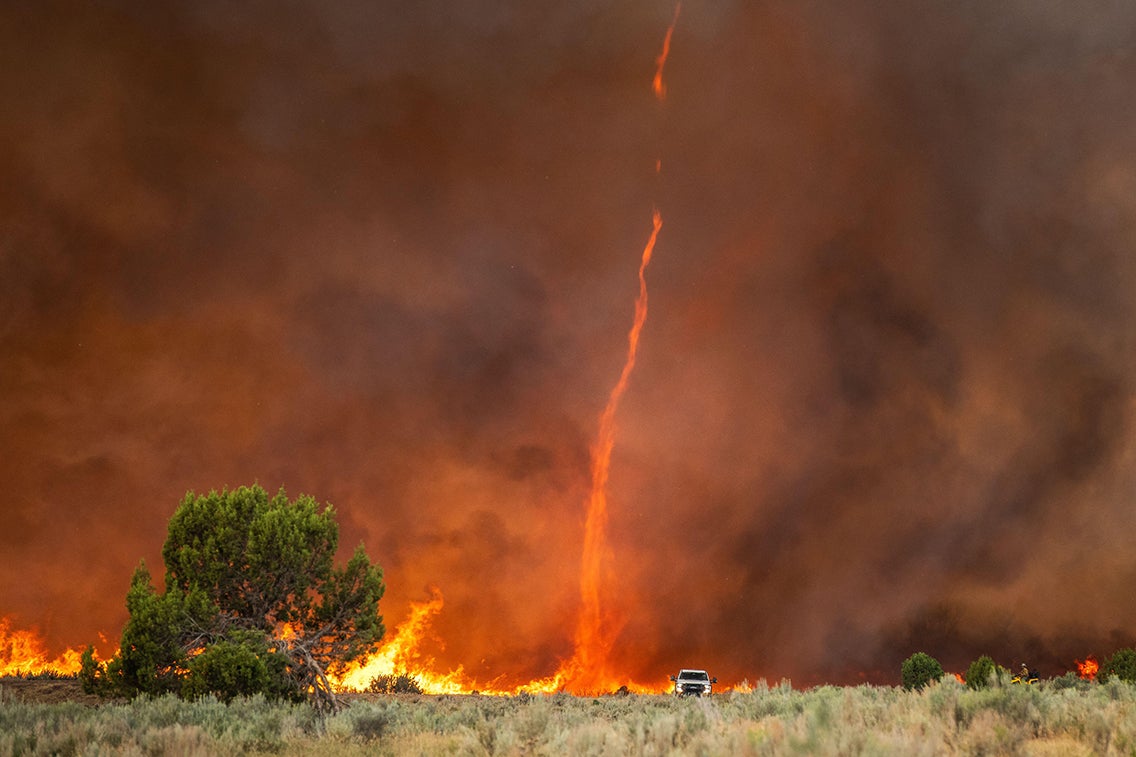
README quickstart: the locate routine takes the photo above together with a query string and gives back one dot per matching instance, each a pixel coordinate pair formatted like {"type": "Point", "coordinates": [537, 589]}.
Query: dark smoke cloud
{"type": "Point", "coordinates": [386, 255]}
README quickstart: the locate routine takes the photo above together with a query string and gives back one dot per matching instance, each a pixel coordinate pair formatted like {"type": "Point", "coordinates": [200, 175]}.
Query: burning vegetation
{"type": "Point", "coordinates": [1088, 668]}
{"type": "Point", "coordinates": [23, 653]}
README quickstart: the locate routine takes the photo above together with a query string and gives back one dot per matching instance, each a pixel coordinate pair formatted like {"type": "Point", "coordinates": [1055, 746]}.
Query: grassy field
{"type": "Point", "coordinates": [1061, 717]}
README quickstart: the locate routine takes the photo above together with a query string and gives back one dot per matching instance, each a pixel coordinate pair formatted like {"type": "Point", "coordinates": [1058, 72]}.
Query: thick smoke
{"type": "Point", "coordinates": [386, 255]}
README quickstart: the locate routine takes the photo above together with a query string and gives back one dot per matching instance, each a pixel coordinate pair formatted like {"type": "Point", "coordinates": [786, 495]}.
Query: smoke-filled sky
{"type": "Point", "coordinates": [385, 254]}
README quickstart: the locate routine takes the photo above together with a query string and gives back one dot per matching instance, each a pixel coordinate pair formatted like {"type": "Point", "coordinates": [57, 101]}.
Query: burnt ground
{"type": "Point", "coordinates": [46, 691]}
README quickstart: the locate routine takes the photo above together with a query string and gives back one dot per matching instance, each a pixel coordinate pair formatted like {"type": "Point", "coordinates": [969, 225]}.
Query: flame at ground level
{"type": "Point", "coordinates": [23, 653]}
{"type": "Point", "coordinates": [402, 654]}
{"type": "Point", "coordinates": [1088, 668]}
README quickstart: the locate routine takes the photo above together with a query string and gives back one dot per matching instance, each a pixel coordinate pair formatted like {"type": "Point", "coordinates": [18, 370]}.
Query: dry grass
{"type": "Point", "coordinates": [943, 719]}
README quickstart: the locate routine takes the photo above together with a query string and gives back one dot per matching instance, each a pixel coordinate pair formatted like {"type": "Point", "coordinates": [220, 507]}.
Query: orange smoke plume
{"type": "Point", "coordinates": [23, 653]}
{"type": "Point", "coordinates": [657, 84]}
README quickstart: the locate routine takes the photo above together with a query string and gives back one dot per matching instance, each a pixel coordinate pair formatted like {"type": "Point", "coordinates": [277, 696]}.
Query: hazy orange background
{"type": "Point", "coordinates": [385, 254]}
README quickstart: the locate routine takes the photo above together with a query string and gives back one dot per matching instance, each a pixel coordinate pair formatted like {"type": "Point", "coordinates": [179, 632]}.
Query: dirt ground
{"type": "Point", "coordinates": [46, 691]}
{"type": "Point", "coordinates": [54, 691]}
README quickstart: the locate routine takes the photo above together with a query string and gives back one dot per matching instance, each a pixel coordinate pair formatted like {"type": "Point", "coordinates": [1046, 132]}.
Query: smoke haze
{"type": "Point", "coordinates": [386, 255]}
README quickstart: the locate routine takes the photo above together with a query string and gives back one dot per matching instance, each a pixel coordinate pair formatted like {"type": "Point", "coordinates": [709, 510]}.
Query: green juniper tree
{"type": "Point", "coordinates": [983, 672]}
{"type": "Point", "coordinates": [253, 603]}
{"type": "Point", "coordinates": [1121, 666]}
{"type": "Point", "coordinates": [920, 669]}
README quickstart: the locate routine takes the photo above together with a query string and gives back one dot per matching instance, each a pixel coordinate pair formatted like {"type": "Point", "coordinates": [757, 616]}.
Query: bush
{"type": "Point", "coordinates": [92, 676]}
{"type": "Point", "coordinates": [1121, 666]}
{"type": "Point", "coordinates": [981, 673]}
{"type": "Point", "coordinates": [920, 669]}
{"type": "Point", "coordinates": [1070, 681]}
{"type": "Point", "coordinates": [233, 668]}
{"type": "Point", "coordinates": [394, 684]}
{"type": "Point", "coordinates": [371, 724]}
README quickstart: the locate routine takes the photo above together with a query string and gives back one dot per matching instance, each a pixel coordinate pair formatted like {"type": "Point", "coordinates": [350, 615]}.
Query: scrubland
{"type": "Point", "coordinates": [1060, 717]}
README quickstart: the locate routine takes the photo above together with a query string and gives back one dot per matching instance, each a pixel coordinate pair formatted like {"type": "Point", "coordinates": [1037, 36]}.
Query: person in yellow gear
{"type": "Point", "coordinates": [1025, 675]}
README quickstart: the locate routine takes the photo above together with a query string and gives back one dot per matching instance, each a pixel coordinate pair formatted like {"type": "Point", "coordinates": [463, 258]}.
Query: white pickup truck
{"type": "Point", "coordinates": [693, 683]}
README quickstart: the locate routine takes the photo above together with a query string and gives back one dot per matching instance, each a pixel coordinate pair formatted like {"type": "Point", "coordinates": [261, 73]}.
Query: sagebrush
{"type": "Point", "coordinates": [944, 717]}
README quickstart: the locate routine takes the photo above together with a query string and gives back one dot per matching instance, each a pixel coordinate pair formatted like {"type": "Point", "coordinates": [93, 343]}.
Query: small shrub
{"type": "Point", "coordinates": [92, 676]}
{"type": "Point", "coordinates": [241, 664]}
{"type": "Point", "coordinates": [1070, 681]}
{"type": "Point", "coordinates": [372, 724]}
{"type": "Point", "coordinates": [402, 683]}
{"type": "Point", "coordinates": [920, 669]}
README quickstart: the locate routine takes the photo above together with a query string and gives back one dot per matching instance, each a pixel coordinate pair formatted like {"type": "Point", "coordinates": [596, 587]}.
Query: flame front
{"type": "Point", "coordinates": [402, 654]}
{"type": "Point", "coordinates": [23, 653]}
{"type": "Point", "coordinates": [1088, 668]}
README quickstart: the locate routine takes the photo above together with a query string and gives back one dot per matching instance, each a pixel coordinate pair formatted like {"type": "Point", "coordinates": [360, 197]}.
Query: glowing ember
{"type": "Point", "coordinates": [1088, 668]}
{"type": "Point", "coordinates": [23, 653]}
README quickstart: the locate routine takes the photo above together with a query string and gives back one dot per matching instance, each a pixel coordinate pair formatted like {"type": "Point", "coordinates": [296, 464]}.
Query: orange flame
{"type": "Point", "coordinates": [23, 653]}
{"type": "Point", "coordinates": [402, 654]}
{"type": "Point", "coordinates": [959, 678]}
{"type": "Point", "coordinates": [1088, 668]}
{"type": "Point", "coordinates": [657, 84]}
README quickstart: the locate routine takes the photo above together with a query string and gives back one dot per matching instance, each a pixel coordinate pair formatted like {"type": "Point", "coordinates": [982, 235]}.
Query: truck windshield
{"type": "Point", "coordinates": [694, 675]}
